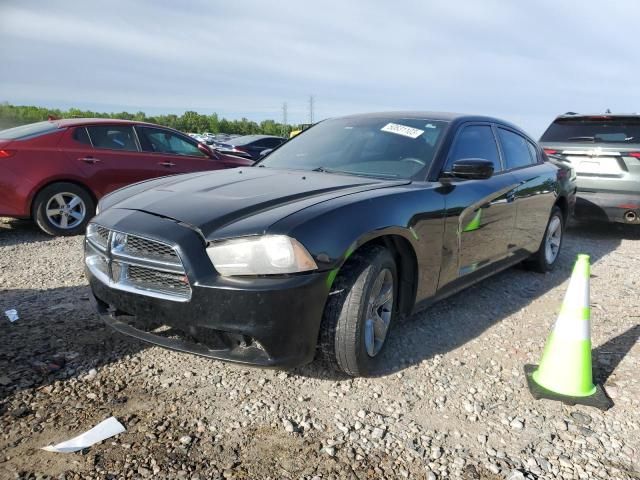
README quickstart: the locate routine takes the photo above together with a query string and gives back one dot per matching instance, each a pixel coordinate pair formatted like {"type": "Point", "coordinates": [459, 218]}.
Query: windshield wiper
{"type": "Point", "coordinates": [588, 139]}
{"type": "Point", "coordinates": [357, 174]}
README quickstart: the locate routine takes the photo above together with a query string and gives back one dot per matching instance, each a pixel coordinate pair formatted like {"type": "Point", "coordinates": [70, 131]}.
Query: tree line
{"type": "Point", "coordinates": [189, 121]}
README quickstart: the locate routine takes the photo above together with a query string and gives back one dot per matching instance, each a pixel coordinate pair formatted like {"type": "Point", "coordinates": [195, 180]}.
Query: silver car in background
{"type": "Point", "coordinates": [604, 150]}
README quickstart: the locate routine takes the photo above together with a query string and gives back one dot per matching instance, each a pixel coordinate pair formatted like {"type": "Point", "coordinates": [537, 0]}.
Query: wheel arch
{"type": "Point", "coordinates": [563, 204]}
{"type": "Point", "coordinates": [406, 259]}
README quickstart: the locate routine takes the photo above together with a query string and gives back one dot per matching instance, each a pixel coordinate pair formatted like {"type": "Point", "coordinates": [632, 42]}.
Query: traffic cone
{"type": "Point", "coordinates": [565, 371]}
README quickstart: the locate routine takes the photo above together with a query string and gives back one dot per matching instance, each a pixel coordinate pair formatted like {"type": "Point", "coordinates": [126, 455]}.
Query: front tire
{"type": "Point", "coordinates": [63, 209]}
{"type": "Point", "coordinates": [545, 259]}
{"type": "Point", "coordinates": [358, 317]}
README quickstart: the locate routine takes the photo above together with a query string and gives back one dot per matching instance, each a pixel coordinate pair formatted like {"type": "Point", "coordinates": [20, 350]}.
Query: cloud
{"type": "Point", "coordinates": [521, 61]}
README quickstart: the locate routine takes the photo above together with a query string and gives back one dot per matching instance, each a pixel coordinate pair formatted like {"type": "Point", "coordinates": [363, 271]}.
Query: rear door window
{"type": "Point", "coordinates": [594, 129]}
{"type": "Point", "coordinates": [515, 149]}
{"type": "Point", "coordinates": [157, 140]}
{"type": "Point", "coordinates": [113, 137]}
{"type": "Point", "coordinates": [475, 141]}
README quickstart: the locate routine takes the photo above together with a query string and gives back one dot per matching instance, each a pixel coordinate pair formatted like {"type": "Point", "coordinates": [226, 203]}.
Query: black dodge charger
{"type": "Point", "coordinates": [320, 246]}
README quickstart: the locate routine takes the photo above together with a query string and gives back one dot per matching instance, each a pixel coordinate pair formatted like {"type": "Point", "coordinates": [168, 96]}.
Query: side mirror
{"type": "Point", "coordinates": [206, 150]}
{"type": "Point", "coordinates": [265, 152]}
{"type": "Point", "coordinates": [472, 169]}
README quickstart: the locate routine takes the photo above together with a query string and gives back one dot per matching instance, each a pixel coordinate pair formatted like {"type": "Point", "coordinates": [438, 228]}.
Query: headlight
{"type": "Point", "coordinates": [265, 255]}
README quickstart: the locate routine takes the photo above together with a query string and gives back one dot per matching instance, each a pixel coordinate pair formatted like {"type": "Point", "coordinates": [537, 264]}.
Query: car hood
{"type": "Point", "coordinates": [209, 202]}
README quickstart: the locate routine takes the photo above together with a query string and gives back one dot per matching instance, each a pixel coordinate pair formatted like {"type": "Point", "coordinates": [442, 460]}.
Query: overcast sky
{"type": "Point", "coordinates": [522, 61]}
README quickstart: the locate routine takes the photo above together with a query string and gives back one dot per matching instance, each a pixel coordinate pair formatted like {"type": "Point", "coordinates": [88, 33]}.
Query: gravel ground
{"type": "Point", "coordinates": [453, 402]}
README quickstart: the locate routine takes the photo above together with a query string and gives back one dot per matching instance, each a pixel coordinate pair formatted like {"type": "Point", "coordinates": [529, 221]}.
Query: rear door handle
{"type": "Point", "coordinates": [167, 164]}
{"type": "Point", "coordinates": [91, 160]}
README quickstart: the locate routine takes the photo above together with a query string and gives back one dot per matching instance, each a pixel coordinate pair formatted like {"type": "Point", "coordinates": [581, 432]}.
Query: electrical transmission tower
{"type": "Point", "coordinates": [284, 119]}
{"type": "Point", "coordinates": [311, 109]}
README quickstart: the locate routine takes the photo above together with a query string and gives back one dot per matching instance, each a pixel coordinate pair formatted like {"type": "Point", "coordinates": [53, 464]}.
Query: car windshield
{"type": "Point", "coordinates": [368, 146]}
{"type": "Point", "coordinates": [594, 129]}
{"type": "Point", "coordinates": [26, 131]}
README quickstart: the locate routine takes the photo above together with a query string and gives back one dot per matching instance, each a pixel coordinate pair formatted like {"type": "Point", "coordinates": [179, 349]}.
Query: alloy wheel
{"type": "Point", "coordinates": [553, 239]}
{"type": "Point", "coordinates": [379, 312]}
{"type": "Point", "coordinates": [65, 210]}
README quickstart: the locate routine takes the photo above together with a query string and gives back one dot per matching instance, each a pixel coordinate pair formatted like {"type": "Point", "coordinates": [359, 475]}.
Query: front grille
{"type": "Point", "coordinates": [149, 279]}
{"type": "Point", "coordinates": [101, 236]}
{"type": "Point", "coordinates": [147, 248]}
{"type": "Point", "coordinates": [137, 264]}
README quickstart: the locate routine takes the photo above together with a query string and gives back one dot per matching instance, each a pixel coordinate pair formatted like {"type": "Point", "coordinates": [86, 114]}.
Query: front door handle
{"type": "Point", "coordinates": [167, 164]}
{"type": "Point", "coordinates": [90, 160]}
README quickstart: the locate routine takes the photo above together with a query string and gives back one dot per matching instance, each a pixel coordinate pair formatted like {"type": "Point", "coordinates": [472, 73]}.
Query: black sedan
{"type": "Point", "coordinates": [249, 146]}
{"type": "Point", "coordinates": [317, 249]}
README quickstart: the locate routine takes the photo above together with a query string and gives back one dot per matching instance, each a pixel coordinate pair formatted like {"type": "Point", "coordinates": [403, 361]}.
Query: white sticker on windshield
{"type": "Point", "coordinates": [402, 130]}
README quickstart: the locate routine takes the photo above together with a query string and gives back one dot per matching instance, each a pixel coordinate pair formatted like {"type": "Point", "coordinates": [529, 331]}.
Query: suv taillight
{"type": "Point", "coordinates": [6, 153]}
{"type": "Point", "coordinates": [634, 154]}
{"type": "Point", "coordinates": [550, 151]}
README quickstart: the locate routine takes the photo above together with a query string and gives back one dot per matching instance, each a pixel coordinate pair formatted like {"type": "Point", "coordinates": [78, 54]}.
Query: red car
{"type": "Point", "coordinates": [56, 171]}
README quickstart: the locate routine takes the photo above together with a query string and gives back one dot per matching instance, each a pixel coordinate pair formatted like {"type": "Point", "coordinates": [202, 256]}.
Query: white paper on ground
{"type": "Point", "coordinates": [12, 315]}
{"type": "Point", "coordinates": [100, 432]}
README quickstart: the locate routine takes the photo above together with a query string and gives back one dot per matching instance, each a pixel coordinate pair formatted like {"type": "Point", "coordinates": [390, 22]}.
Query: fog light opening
{"type": "Point", "coordinates": [630, 216]}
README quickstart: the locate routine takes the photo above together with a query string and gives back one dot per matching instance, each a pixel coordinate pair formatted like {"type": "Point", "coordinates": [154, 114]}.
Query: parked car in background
{"type": "Point", "coordinates": [331, 237]}
{"type": "Point", "coordinates": [301, 128]}
{"type": "Point", "coordinates": [250, 146]}
{"type": "Point", "coordinates": [55, 171]}
{"type": "Point", "coordinates": [605, 152]}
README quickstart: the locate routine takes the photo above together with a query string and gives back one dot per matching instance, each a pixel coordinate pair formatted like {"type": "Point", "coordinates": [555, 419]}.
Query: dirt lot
{"type": "Point", "coordinates": [453, 402]}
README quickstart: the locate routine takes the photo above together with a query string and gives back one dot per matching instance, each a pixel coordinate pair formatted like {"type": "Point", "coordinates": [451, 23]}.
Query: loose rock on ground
{"type": "Point", "coordinates": [452, 401]}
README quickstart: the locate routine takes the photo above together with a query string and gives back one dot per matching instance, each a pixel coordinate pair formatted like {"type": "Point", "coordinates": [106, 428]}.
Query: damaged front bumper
{"type": "Point", "coordinates": [270, 322]}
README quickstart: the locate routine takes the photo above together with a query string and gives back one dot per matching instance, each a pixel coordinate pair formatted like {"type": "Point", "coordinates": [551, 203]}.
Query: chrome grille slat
{"type": "Point", "coordinates": [147, 262]}
{"type": "Point", "coordinates": [132, 263]}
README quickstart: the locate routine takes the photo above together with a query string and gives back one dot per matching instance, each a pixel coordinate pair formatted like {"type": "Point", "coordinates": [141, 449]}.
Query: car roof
{"type": "Point", "coordinates": [450, 117]}
{"type": "Point", "coordinates": [599, 115]}
{"type": "Point", "coordinates": [74, 122]}
{"type": "Point", "coordinates": [253, 138]}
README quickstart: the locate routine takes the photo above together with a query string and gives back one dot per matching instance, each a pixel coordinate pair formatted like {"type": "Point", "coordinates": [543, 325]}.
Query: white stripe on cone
{"type": "Point", "coordinates": [570, 324]}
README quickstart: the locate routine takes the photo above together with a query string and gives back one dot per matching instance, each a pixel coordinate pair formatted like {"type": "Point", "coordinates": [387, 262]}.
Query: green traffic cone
{"type": "Point", "coordinates": [565, 370]}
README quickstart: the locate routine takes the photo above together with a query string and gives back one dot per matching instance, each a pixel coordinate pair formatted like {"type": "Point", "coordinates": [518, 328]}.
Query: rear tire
{"type": "Point", "coordinates": [63, 209]}
{"type": "Point", "coordinates": [545, 259]}
{"type": "Point", "coordinates": [357, 319]}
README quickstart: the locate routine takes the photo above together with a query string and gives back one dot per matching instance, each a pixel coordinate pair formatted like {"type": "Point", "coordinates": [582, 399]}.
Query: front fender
{"type": "Point", "coordinates": [331, 231]}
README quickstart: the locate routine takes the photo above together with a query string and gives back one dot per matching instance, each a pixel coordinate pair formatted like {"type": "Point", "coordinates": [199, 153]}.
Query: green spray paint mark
{"type": "Point", "coordinates": [331, 277]}
{"type": "Point", "coordinates": [334, 273]}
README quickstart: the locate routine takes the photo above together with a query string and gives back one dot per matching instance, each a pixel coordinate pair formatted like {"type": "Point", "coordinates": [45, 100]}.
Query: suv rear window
{"type": "Point", "coordinates": [28, 131]}
{"type": "Point", "coordinates": [594, 129]}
